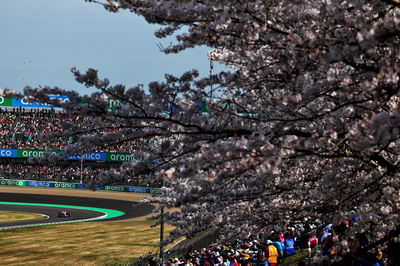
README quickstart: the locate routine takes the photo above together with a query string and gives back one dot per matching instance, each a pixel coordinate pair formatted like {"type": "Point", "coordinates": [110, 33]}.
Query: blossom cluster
{"type": "Point", "coordinates": [305, 126]}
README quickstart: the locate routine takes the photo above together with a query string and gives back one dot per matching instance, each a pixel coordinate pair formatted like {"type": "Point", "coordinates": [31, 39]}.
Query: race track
{"type": "Point", "coordinates": [87, 208]}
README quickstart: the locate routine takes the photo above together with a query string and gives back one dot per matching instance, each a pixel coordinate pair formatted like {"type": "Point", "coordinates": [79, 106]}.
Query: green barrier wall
{"type": "Point", "coordinates": [33, 183]}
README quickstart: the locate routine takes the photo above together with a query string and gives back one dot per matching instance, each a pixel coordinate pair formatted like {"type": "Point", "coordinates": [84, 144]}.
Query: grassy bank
{"type": "Point", "coordinates": [90, 243]}
{"type": "Point", "coordinates": [78, 244]}
{"type": "Point", "coordinates": [10, 216]}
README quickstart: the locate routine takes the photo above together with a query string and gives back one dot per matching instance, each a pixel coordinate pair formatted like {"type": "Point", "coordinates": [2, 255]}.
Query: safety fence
{"type": "Point", "coordinates": [50, 184]}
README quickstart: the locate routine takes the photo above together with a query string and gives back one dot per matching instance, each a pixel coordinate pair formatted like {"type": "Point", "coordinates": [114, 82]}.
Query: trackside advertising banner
{"type": "Point", "coordinates": [19, 102]}
{"type": "Point", "coordinates": [5, 101]}
{"type": "Point", "coordinates": [49, 184]}
{"type": "Point", "coordinates": [94, 156]}
{"type": "Point", "coordinates": [24, 103]}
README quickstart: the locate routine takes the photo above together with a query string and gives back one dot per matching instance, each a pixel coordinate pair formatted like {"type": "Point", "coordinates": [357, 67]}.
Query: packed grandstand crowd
{"type": "Point", "coordinates": [63, 172]}
{"type": "Point", "coordinates": [56, 172]}
{"type": "Point", "coordinates": [20, 129]}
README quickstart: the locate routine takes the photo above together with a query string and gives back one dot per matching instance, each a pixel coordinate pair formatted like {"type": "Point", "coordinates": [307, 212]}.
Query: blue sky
{"type": "Point", "coordinates": [42, 39]}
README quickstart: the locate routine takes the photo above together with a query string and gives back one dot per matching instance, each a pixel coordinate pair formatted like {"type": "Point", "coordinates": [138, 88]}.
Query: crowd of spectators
{"type": "Point", "coordinates": [20, 129]}
{"type": "Point", "coordinates": [57, 172]}
{"type": "Point", "coordinates": [64, 172]}
{"type": "Point", "coordinates": [243, 252]}
{"type": "Point", "coordinates": [319, 246]}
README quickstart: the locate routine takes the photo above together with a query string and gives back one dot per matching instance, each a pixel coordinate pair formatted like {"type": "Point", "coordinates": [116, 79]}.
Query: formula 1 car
{"type": "Point", "coordinates": [63, 214]}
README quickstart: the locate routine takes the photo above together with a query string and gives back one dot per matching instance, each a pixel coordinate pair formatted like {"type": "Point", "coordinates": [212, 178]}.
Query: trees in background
{"type": "Point", "coordinates": [304, 127]}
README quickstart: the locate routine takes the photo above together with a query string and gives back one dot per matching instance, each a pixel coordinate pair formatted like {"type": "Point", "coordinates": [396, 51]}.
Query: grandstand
{"type": "Point", "coordinates": [21, 129]}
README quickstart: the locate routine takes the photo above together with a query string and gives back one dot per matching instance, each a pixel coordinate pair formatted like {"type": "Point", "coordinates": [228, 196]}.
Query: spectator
{"type": "Point", "coordinates": [271, 253]}
{"type": "Point", "coordinates": [289, 248]}
{"type": "Point", "coordinates": [329, 244]}
{"type": "Point", "coordinates": [279, 246]}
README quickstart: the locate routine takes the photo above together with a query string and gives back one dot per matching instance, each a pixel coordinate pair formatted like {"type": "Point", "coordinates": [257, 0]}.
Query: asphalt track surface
{"type": "Point", "coordinates": [130, 209]}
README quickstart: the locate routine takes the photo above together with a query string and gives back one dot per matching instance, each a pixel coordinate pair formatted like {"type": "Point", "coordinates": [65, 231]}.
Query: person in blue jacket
{"type": "Point", "coordinates": [278, 244]}
{"type": "Point", "coordinates": [288, 245]}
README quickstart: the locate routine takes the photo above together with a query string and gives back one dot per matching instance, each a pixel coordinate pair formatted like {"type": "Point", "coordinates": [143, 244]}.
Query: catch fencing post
{"type": "Point", "coordinates": [162, 234]}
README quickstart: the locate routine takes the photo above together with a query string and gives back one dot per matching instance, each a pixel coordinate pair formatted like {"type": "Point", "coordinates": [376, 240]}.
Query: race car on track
{"type": "Point", "coordinates": [64, 214]}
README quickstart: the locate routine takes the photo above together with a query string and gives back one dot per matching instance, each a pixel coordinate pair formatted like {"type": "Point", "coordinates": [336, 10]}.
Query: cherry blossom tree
{"type": "Point", "coordinates": [304, 126]}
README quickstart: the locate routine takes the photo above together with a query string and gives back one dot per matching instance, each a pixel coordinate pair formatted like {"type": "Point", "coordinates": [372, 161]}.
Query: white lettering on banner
{"type": "Point", "coordinates": [154, 190]}
{"type": "Point", "coordinates": [25, 102]}
{"type": "Point", "coordinates": [1, 99]}
{"type": "Point", "coordinates": [32, 153]}
{"type": "Point", "coordinates": [60, 99]}
{"type": "Point", "coordinates": [91, 156]}
{"type": "Point", "coordinates": [64, 185]}
{"type": "Point", "coordinates": [137, 189]}
{"type": "Point", "coordinates": [5, 153]}
{"type": "Point", "coordinates": [115, 188]}
{"type": "Point", "coordinates": [38, 184]}
{"type": "Point", "coordinates": [12, 183]}
{"type": "Point", "coordinates": [112, 103]}
{"type": "Point", "coordinates": [34, 183]}
{"type": "Point", "coordinates": [123, 157]}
